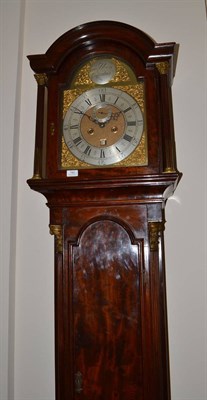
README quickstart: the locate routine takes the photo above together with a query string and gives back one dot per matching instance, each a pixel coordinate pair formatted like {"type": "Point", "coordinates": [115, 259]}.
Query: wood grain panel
{"type": "Point", "coordinates": [107, 320]}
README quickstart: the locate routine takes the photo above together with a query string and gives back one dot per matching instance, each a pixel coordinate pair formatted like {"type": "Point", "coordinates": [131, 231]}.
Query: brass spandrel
{"type": "Point", "coordinates": [68, 97]}
{"type": "Point", "coordinates": [138, 157]}
{"type": "Point", "coordinates": [83, 77]}
{"type": "Point", "coordinates": [136, 91]}
{"type": "Point", "coordinates": [122, 72]}
{"type": "Point", "coordinates": [68, 161]}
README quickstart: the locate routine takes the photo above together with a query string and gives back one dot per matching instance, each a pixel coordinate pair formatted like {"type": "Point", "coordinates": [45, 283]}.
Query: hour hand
{"type": "Point", "coordinates": [79, 112]}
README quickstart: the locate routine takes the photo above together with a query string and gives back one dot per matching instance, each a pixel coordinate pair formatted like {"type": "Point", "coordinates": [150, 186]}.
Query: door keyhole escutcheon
{"type": "Point", "coordinates": [78, 382]}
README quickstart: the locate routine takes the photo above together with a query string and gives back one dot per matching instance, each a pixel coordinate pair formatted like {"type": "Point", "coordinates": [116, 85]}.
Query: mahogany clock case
{"type": "Point", "coordinates": [111, 339]}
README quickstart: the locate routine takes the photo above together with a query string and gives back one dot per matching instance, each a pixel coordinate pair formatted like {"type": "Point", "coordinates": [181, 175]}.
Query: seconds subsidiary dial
{"type": "Point", "coordinates": [103, 126]}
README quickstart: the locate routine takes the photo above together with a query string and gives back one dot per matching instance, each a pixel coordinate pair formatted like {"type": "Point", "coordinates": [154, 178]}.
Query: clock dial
{"type": "Point", "coordinates": [103, 126]}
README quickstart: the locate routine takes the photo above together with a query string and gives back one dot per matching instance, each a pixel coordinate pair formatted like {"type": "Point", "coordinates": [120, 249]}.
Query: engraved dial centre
{"type": "Point", "coordinates": [101, 113]}
{"type": "Point", "coordinates": [99, 121]}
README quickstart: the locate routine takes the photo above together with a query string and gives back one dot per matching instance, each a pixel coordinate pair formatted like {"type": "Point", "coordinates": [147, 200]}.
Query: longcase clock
{"type": "Point", "coordinates": [105, 160]}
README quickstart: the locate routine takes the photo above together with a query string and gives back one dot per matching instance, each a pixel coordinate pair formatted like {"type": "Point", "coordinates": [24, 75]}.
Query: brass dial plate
{"type": "Point", "coordinates": [104, 124]}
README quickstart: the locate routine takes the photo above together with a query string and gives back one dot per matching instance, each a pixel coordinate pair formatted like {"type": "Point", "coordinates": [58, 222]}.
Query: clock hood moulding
{"type": "Point", "coordinates": [102, 31]}
{"type": "Point", "coordinates": [58, 129]}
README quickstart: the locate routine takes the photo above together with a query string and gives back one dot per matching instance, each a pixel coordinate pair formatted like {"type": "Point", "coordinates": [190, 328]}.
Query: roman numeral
{"type": "Point", "coordinates": [127, 109]}
{"type": "Point", "coordinates": [127, 138]}
{"type": "Point", "coordinates": [77, 140]}
{"type": "Point", "coordinates": [87, 150]}
{"type": "Point", "coordinates": [102, 97]}
{"type": "Point", "coordinates": [74, 127]}
{"type": "Point", "coordinates": [88, 101]}
{"type": "Point", "coordinates": [102, 155]}
{"type": "Point", "coordinates": [131, 123]}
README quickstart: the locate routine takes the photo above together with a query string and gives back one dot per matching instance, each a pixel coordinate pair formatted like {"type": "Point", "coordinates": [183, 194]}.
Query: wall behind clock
{"type": "Point", "coordinates": [26, 313]}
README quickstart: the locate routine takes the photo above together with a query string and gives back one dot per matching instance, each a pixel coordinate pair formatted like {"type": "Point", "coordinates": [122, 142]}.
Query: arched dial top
{"type": "Point", "coordinates": [104, 116]}
{"type": "Point", "coordinates": [103, 126]}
